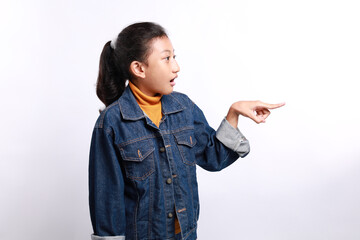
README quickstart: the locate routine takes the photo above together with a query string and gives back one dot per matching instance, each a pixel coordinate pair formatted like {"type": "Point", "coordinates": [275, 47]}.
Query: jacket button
{"type": "Point", "coordinates": [162, 149]}
{"type": "Point", "coordinates": [169, 181]}
{"type": "Point", "coordinates": [170, 215]}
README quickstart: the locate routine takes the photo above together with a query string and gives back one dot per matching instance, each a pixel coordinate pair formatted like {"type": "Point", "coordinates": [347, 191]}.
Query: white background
{"type": "Point", "coordinates": [301, 178]}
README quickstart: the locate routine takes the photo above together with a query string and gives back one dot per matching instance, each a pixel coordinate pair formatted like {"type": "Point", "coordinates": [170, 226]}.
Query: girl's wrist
{"type": "Point", "coordinates": [232, 117]}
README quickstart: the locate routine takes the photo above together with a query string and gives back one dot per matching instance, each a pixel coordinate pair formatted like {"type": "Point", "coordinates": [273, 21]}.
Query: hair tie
{"type": "Point", "coordinates": [113, 42]}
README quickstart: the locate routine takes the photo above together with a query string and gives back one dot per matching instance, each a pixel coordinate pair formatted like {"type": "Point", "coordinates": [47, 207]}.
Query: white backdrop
{"type": "Point", "coordinates": [301, 178]}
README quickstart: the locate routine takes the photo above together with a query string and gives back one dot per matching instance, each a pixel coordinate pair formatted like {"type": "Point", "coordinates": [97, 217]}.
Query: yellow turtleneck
{"type": "Point", "coordinates": [150, 105]}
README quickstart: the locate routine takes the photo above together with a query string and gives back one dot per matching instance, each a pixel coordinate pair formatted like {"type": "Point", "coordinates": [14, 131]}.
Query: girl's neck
{"type": "Point", "coordinates": [142, 98]}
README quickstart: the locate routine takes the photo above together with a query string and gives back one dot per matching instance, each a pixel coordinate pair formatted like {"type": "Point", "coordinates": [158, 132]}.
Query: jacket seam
{"type": "Point", "coordinates": [188, 233]}
{"type": "Point", "coordinates": [192, 194]}
{"type": "Point", "coordinates": [103, 113]}
{"type": "Point", "coordinates": [151, 136]}
{"type": "Point", "coordinates": [151, 179]}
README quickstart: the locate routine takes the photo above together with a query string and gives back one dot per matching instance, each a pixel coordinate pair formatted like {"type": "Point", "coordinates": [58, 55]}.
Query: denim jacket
{"type": "Point", "coordinates": [142, 176]}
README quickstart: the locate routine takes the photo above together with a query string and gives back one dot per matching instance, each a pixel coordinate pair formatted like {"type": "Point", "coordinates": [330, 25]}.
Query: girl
{"type": "Point", "coordinates": [148, 140]}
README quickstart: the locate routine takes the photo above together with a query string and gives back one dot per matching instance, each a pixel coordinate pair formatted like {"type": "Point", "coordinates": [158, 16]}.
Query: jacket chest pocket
{"type": "Point", "coordinates": [185, 142]}
{"type": "Point", "coordinates": [138, 159]}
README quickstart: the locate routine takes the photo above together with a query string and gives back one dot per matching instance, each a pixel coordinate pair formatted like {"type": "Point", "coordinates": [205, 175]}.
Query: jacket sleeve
{"type": "Point", "coordinates": [233, 138]}
{"type": "Point", "coordinates": [215, 150]}
{"type": "Point", "coordinates": [106, 188]}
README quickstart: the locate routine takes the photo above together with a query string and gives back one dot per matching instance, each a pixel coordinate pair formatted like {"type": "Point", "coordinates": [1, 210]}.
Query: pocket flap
{"type": "Point", "coordinates": [137, 151]}
{"type": "Point", "coordinates": [185, 138]}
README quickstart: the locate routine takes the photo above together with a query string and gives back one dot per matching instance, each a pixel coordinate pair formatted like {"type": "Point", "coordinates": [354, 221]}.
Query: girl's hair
{"type": "Point", "coordinates": [132, 44]}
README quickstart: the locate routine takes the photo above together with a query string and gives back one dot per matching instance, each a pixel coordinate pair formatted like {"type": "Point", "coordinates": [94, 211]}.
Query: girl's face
{"type": "Point", "coordinates": [161, 69]}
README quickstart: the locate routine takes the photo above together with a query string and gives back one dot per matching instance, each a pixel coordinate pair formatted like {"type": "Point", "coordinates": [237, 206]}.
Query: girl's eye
{"type": "Point", "coordinates": [168, 58]}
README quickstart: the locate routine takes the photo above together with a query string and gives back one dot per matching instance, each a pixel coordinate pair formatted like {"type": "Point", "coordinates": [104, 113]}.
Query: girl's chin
{"type": "Point", "coordinates": [168, 91]}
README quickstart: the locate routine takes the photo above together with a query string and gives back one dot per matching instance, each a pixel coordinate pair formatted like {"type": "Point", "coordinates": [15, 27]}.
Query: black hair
{"type": "Point", "coordinates": [132, 44]}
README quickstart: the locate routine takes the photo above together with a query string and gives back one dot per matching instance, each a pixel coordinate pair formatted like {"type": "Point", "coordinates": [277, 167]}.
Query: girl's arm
{"type": "Point", "coordinates": [106, 187]}
{"type": "Point", "coordinates": [255, 110]}
{"type": "Point", "coordinates": [216, 150]}
{"type": "Point", "coordinates": [211, 152]}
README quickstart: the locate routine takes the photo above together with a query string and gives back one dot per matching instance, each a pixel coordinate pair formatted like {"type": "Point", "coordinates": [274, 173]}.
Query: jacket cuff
{"type": "Point", "coordinates": [232, 138]}
{"type": "Point", "coordinates": [94, 237]}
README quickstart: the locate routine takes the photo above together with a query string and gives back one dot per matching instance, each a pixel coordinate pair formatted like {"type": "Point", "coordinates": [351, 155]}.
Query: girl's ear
{"type": "Point", "coordinates": [137, 69]}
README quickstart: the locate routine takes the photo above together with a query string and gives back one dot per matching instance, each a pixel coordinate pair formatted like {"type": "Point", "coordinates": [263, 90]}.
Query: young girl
{"type": "Point", "coordinates": [148, 140]}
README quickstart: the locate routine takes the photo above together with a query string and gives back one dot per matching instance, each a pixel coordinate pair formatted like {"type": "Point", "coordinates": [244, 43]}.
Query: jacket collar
{"type": "Point", "coordinates": [130, 109]}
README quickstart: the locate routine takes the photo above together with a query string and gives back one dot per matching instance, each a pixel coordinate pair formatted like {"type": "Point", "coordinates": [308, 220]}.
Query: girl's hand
{"type": "Point", "coordinates": [255, 110]}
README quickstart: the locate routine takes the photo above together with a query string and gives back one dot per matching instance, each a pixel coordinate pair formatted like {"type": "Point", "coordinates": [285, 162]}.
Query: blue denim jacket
{"type": "Point", "coordinates": [141, 176]}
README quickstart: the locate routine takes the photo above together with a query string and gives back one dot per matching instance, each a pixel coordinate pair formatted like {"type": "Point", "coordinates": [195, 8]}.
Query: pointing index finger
{"type": "Point", "coordinates": [273, 106]}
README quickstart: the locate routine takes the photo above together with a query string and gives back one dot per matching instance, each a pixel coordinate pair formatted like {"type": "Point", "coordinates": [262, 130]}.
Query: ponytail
{"type": "Point", "coordinates": [111, 81]}
{"type": "Point", "coordinates": [132, 44]}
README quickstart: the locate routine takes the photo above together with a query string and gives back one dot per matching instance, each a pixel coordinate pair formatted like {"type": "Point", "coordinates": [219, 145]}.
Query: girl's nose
{"type": "Point", "coordinates": [176, 67]}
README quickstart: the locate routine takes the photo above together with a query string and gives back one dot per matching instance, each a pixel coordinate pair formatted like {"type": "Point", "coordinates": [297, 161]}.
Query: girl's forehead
{"type": "Point", "coordinates": [160, 45]}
